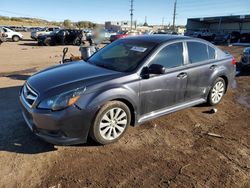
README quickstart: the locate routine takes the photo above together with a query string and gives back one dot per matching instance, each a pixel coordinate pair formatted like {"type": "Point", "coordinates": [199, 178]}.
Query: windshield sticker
{"type": "Point", "coordinates": [138, 49]}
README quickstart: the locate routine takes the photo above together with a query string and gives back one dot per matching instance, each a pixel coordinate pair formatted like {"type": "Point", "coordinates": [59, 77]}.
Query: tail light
{"type": "Point", "coordinates": [234, 61]}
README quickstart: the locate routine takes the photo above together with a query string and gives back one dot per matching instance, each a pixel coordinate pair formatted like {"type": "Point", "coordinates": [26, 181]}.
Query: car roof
{"type": "Point", "coordinates": [157, 38]}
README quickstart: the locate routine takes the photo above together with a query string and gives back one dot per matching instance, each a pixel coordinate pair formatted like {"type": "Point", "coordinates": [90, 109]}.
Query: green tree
{"type": "Point", "coordinates": [67, 23]}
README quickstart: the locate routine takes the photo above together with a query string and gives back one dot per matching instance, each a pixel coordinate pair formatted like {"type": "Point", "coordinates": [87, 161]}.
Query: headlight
{"type": "Point", "coordinates": [62, 101]}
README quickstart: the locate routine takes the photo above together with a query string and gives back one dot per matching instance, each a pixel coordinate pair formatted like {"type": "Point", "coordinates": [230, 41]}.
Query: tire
{"type": "Point", "coordinates": [216, 92]}
{"type": "Point", "coordinates": [77, 42]}
{"type": "Point", "coordinates": [105, 130]}
{"type": "Point", "coordinates": [47, 42]}
{"type": "Point", "coordinates": [15, 38]}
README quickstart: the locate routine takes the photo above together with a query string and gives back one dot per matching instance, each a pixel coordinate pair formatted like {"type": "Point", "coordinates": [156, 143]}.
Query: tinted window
{"type": "Point", "coordinates": [211, 52]}
{"type": "Point", "coordinates": [170, 56]}
{"type": "Point", "coordinates": [197, 52]}
{"type": "Point", "coordinates": [122, 55]}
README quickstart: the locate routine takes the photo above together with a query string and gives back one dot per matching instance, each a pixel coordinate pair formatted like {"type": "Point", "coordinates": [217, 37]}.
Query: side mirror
{"type": "Point", "coordinates": [156, 69]}
{"type": "Point", "coordinates": [152, 69]}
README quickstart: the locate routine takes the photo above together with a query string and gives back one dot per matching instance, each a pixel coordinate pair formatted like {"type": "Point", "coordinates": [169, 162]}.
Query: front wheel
{"type": "Point", "coordinates": [77, 42]}
{"type": "Point", "coordinates": [15, 38]}
{"type": "Point", "coordinates": [111, 122]}
{"type": "Point", "coordinates": [217, 91]}
{"type": "Point", "coordinates": [47, 42]}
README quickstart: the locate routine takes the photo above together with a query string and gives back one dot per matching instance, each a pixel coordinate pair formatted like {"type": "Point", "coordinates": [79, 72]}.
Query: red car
{"type": "Point", "coordinates": [118, 36]}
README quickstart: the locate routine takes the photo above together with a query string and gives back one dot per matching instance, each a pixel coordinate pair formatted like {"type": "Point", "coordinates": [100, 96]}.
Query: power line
{"type": "Point", "coordinates": [25, 15]}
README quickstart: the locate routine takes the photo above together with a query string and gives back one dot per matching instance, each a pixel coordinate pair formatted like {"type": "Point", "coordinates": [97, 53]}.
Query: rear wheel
{"type": "Point", "coordinates": [15, 38]}
{"type": "Point", "coordinates": [217, 91]}
{"type": "Point", "coordinates": [111, 122]}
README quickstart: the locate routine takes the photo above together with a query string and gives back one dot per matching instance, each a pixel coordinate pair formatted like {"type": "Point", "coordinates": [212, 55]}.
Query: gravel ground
{"type": "Point", "coordinates": [172, 151]}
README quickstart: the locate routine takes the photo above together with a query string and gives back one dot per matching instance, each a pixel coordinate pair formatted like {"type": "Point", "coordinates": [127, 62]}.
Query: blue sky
{"type": "Point", "coordinates": [103, 10]}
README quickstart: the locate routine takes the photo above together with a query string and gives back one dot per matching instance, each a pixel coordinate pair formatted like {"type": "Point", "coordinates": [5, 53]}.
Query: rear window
{"type": "Point", "coordinates": [211, 52]}
{"type": "Point", "coordinates": [197, 52]}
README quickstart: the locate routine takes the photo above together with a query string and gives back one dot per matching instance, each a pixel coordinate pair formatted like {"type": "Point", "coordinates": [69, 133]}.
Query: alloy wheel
{"type": "Point", "coordinates": [217, 92]}
{"type": "Point", "coordinates": [113, 123]}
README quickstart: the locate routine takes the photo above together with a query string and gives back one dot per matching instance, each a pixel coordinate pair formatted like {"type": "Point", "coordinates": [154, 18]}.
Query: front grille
{"type": "Point", "coordinates": [29, 95]}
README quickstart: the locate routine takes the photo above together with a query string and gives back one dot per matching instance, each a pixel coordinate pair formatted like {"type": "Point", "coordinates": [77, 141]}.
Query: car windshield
{"type": "Point", "coordinates": [122, 55]}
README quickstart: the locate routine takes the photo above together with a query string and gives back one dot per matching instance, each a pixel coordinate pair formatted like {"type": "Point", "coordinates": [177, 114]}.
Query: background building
{"type": "Point", "coordinates": [221, 24]}
{"type": "Point", "coordinates": [119, 25]}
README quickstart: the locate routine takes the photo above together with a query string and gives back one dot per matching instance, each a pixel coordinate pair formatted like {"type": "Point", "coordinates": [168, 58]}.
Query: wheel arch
{"type": "Point", "coordinates": [128, 97]}
{"type": "Point", "coordinates": [15, 36]}
{"type": "Point", "coordinates": [131, 109]}
{"type": "Point", "coordinates": [224, 77]}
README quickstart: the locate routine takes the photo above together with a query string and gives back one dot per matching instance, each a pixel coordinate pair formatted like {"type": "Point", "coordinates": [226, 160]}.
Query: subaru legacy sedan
{"type": "Point", "coordinates": [128, 82]}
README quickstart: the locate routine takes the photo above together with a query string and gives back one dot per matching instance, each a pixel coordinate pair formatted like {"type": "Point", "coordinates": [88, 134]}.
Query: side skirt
{"type": "Point", "coordinates": [168, 110]}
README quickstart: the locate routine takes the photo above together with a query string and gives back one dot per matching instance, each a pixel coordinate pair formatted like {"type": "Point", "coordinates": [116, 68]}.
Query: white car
{"type": "Point", "coordinates": [45, 31]}
{"type": "Point", "coordinates": [12, 35]}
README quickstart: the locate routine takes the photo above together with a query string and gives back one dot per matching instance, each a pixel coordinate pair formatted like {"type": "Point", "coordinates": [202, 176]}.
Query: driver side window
{"type": "Point", "coordinates": [170, 56]}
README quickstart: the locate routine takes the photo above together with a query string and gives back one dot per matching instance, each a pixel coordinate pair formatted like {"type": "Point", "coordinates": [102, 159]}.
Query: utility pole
{"type": "Point", "coordinates": [131, 13]}
{"type": "Point", "coordinates": [174, 15]}
{"type": "Point", "coordinates": [162, 22]}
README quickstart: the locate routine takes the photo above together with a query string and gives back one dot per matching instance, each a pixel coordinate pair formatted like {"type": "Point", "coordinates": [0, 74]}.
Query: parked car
{"type": "Point", "coordinates": [105, 34]}
{"type": "Point", "coordinates": [222, 38]}
{"type": "Point", "coordinates": [245, 59]}
{"type": "Point", "coordinates": [245, 38]}
{"type": "Point", "coordinates": [45, 31]}
{"type": "Point", "coordinates": [61, 37]}
{"type": "Point", "coordinates": [2, 36]}
{"type": "Point", "coordinates": [128, 82]}
{"type": "Point", "coordinates": [161, 32]}
{"type": "Point", "coordinates": [118, 36]}
{"type": "Point", "coordinates": [234, 37]}
{"type": "Point", "coordinates": [204, 34]}
{"type": "Point", "coordinates": [12, 35]}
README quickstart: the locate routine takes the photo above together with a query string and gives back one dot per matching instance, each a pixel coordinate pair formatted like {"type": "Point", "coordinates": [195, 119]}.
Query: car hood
{"type": "Point", "coordinates": [69, 76]}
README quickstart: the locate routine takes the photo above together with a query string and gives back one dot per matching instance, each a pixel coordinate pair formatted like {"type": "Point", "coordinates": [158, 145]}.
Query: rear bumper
{"type": "Point", "coordinates": [66, 127]}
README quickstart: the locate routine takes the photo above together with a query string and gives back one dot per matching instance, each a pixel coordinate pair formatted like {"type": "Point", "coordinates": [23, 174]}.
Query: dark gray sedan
{"type": "Point", "coordinates": [128, 82]}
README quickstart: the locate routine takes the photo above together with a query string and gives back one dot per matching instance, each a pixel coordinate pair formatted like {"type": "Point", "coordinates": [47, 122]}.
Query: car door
{"type": "Point", "coordinates": [166, 90]}
{"type": "Point", "coordinates": [201, 66]}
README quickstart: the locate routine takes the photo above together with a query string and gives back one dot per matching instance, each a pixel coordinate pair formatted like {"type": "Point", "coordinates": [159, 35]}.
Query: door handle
{"type": "Point", "coordinates": [182, 75]}
{"type": "Point", "coordinates": [213, 67]}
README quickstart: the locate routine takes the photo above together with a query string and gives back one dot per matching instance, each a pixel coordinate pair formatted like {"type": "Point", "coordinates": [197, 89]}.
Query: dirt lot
{"type": "Point", "coordinates": [171, 151]}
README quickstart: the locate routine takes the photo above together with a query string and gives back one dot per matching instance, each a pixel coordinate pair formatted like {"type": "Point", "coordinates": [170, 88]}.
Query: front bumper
{"type": "Point", "coordinates": [66, 127]}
